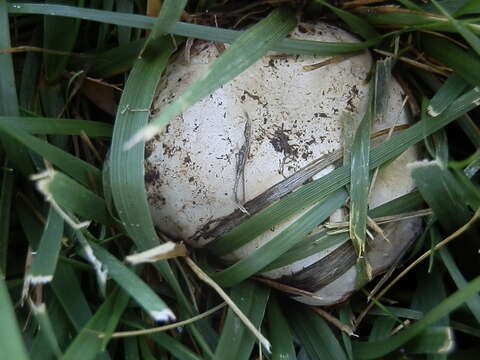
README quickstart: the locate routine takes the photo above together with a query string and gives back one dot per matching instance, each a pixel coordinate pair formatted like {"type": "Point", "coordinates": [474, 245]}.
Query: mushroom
{"type": "Point", "coordinates": [268, 124]}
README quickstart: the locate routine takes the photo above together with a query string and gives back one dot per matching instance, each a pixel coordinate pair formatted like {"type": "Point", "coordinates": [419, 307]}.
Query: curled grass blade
{"type": "Point", "coordinates": [245, 51]}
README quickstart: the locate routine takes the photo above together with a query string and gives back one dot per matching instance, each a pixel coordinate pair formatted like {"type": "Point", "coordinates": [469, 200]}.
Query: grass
{"type": "Point", "coordinates": [77, 80]}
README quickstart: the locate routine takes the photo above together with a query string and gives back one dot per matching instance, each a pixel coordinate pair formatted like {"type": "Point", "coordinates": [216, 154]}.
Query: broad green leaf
{"type": "Point", "coordinates": [245, 51]}
{"type": "Point", "coordinates": [49, 126]}
{"type": "Point", "coordinates": [11, 341]}
{"type": "Point", "coordinates": [134, 286]}
{"type": "Point", "coordinates": [373, 350]}
{"type": "Point", "coordinates": [45, 259]}
{"type": "Point", "coordinates": [236, 341]}
{"type": "Point", "coordinates": [87, 344]}
{"type": "Point", "coordinates": [314, 334]}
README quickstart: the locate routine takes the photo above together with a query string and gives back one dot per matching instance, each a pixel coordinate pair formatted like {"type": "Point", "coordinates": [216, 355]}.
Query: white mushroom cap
{"type": "Point", "coordinates": [295, 118]}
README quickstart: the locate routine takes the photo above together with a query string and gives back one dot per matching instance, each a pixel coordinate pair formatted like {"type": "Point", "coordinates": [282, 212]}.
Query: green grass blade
{"type": "Point", "coordinates": [436, 341]}
{"type": "Point", "coordinates": [471, 7]}
{"type": "Point", "coordinates": [281, 243]}
{"type": "Point", "coordinates": [49, 126]}
{"type": "Point", "coordinates": [441, 191]}
{"type": "Point", "coordinates": [236, 341]}
{"type": "Point", "coordinates": [474, 302]}
{"type": "Point", "coordinates": [169, 14]}
{"type": "Point", "coordinates": [45, 328]}
{"type": "Point", "coordinates": [70, 295]}
{"type": "Point", "coordinates": [279, 333]}
{"type": "Point", "coordinates": [11, 341]}
{"type": "Point", "coordinates": [55, 64]}
{"type": "Point", "coordinates": [126, 169]}
{"type": "Point", "coordinates": [78, 169]}
{"type": "Point", "coordinates": [62, 191]}
{"type": "Point", "coordinates": [286, 46]}
{"type": "Point", "coordinates": [318, 189]}
{"type": "Point", "coordinates": [463, 63]}
{"type": "Point", "coordinates": [6, 194]}
{"type": "Point", "coordinates": [17, 154]}
{"type": "Point", "coordinates": [87, 345]}
{"type": "Point", "coordinates": [245, 51]}
{"type": "Point", "coordinates": [355, 23]}
{"type": "Point", "coordinates": [360, 182]}
{"type": "Point", "coordinates": [472, 39]}
{"type": "Point", "coordinates": [174, 347]}
{"type": "Point", "coordinates": [45, 260]}
{"type": "Point", "coordinates": [451, 89]}
{"type": "Point", "coordinates": [315, 335]}
{"type": "Point", "coordinates": [377, 349]}
{"type": "Point", "coordinates": [134, 286]}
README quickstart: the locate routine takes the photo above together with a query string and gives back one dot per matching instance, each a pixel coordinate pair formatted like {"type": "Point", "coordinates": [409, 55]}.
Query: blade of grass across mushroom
{"type": "Point", "coordinates": [245, 51]}
{"type": "Point", "coordinates": [285, 46]}
{"type": "Point", "coordinates": [310, 193]}
{"type": "Point", "coordinates": [126, 168]}
{"type": "Point", "coordinates": [236, 341]}
{"type": "Point", "coordinates": [50, 126]}
{"type": "Point", "coordinates": [78, 169]}
{"type": "Point", "coordinates": [17, 153]}
{"type": "Point", "coordinates": [45, 260]}
{"type": "Point", "coordinates": [11, 341]}
{"type": "Point", "coordinates": [281, 243]}
{"type": "Point", "coordinates": [374, 350]}
{"type": "Point", "coordinates": [453, 56]}
{"type": "Point", "coordinates": [67, 195]}
{"type": "Point", "coordinates": [134, 286]}
{"type": "Point", "coordinates": [472, 39]}
{"type": "Point", "coordinates": [87, 344]}
{"type": "Point", "coordinates": [315, 335]}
